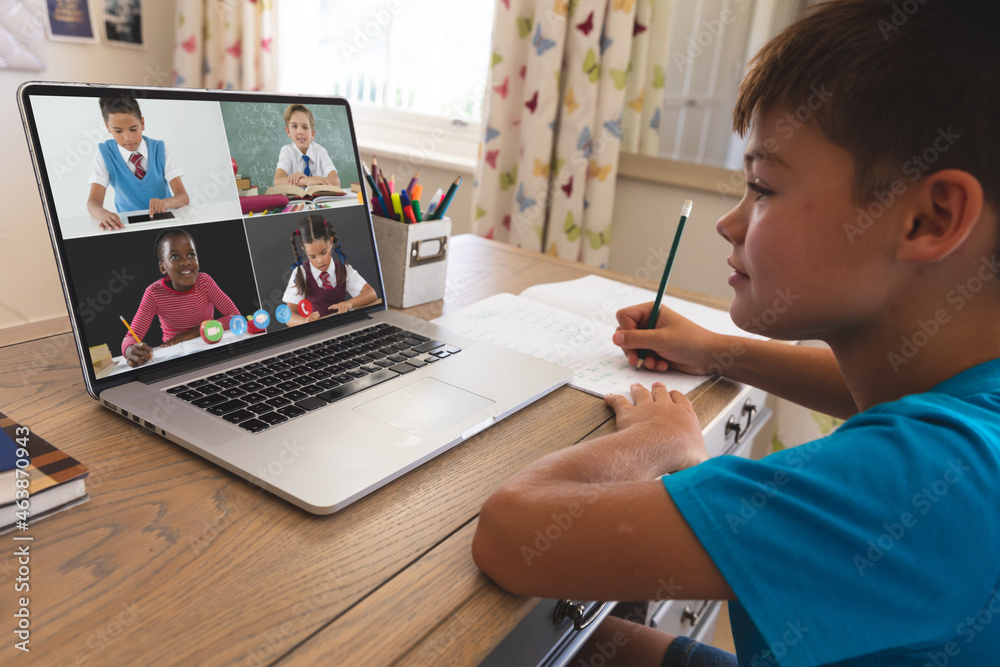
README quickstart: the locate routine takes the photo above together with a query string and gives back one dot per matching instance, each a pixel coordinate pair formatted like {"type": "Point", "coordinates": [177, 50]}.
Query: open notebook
{"type": "Point", "coordinates": [571, 323]}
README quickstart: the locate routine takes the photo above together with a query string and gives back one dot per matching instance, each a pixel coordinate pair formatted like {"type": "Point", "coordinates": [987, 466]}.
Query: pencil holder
{"type": "Point", "coordinates": [414, 260]}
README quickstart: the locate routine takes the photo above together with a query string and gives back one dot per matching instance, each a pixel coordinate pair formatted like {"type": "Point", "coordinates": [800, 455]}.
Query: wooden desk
{"type": "Point", "coordinates": [175, 561]}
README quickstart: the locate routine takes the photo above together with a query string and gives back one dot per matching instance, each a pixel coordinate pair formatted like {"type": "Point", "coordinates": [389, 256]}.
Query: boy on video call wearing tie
{"type": "Point", "coordinates": [139, 168]}
{"type": "Point", "coordinates": [303, 162]}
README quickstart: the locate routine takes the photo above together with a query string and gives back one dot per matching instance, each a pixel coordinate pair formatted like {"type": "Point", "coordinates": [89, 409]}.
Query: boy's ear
{"type": "Point", "coordinates": [948, 204]}
{"type": "Point", "coordinates": [163, 269]}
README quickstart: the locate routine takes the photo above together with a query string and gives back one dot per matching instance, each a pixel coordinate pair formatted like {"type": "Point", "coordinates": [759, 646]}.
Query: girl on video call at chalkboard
{"type": "Point", "coordinates": [329, 279]}
{"type": "Point", "coordinates": [303, 162]}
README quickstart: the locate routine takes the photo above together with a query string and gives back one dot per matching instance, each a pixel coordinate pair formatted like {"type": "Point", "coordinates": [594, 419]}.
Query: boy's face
{"type": "Point", "coordinates": [318, 253]}
{"type": "Point", "coordinates": [300, 130]}
{"type": "Point", "coordinates": [179, 262]}
{"type": "Point", "coordinates": [797, 273]}
{"type": "Point", "coordinates": [126, 129]}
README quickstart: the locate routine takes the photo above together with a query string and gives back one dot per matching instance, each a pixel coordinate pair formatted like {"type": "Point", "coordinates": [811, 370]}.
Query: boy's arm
{"type": "Point", "coordinates": [553, 529]}
{"type": "Point", "coordinates": [804, 375]}
{"type": "Point", "coordinates": [179, 198]}
{"type": "Point", "coordinates": [95, 207]}
{"type": "Point", "coordinates": [280, 177]}
{"type": "Point", "coordinates": [332, 178]}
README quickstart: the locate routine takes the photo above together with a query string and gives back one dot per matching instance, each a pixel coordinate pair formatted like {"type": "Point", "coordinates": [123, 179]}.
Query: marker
{"type": "Point", "coordinates": [137, 339]}
{"type": "Point", "coordinates": [397, 206]}
{"type": "Point", "coordinates": [435, 200]}
{"type": "Point", "coordinates": [443, 208]}
{"type": "Point", "coordinates": [651, 324]}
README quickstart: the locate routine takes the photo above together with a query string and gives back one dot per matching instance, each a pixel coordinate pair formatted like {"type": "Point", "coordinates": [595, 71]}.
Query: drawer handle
{"type": "Point", "coordinates": [748, 412]}
{"type": "Point", "coordinates": [567, 609]}
{"type": "Point", "coordinates": [693, 616]}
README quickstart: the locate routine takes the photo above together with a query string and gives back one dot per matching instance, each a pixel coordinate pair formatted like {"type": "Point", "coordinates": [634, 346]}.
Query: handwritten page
{"type": "Point", "coordinates": [571, 323]}
{"type": "Point", "coordinates": [579, 343]}
{"type": "Point", "coordinates": [597, 298]}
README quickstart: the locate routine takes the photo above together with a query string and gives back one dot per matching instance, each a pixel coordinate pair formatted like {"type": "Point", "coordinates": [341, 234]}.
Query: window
{"type": "Point", "coordinates": [427, 57]}
{"type": "Point", "coordinates": [710, 41]}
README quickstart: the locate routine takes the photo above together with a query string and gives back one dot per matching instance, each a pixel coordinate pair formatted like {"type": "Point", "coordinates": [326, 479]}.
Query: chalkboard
{"type": "Point", "coordinates": [256, 133]}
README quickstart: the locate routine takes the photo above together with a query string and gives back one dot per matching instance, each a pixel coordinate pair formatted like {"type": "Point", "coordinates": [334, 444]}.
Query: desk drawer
{"type": "Point", "coordinates": [539, 641]}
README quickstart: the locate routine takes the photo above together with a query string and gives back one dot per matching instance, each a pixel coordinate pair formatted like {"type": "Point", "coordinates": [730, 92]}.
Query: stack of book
{"type": "Point", "coordinates": [56, 480]}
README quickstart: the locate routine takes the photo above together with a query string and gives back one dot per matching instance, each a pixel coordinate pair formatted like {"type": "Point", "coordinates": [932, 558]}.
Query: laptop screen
{"type": "Point", "coordinates": [190, 222]}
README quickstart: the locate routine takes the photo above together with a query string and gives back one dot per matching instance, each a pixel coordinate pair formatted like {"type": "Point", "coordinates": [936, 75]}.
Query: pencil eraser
{"type": "Point", "coordinates": [686, 209]}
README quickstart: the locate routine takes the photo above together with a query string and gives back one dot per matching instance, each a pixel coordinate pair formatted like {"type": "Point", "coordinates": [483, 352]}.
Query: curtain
{"type": "Point", "coordinates": [562, 75]}
{"type": "Point", "coordinates": [226, 44]}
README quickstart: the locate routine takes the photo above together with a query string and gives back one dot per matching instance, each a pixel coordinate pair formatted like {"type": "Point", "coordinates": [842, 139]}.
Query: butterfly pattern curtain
{"type": "Point", "coordinates": [561, 76]}
{"type": "Point", "coordinates": [225, 44]}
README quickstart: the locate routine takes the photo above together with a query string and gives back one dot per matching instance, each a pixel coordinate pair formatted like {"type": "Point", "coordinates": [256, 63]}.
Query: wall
{"type": "Point", "coordinates": [29, 282]}
{"type": "Point", "coordinates": [645, 219]}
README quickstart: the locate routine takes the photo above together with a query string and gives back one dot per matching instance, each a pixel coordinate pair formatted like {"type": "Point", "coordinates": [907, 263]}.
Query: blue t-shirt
{"type": "Point", "coordinates": [877, 545]}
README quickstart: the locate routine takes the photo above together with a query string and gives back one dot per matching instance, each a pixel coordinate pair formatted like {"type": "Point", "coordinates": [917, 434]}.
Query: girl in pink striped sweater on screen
{"type": "Point", "coordinates": [183, 298]}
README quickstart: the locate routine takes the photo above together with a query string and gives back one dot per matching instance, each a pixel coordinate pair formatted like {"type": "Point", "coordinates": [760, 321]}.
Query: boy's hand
{"type": "Point", "coordinates": [137, 354]}
{"type": "Point", "coordinates": [676, 343]}
{"type": "Point", "coordinates": [298, 178]}
{"type": "Point", "coordinates": [157, 206]}
{"type": "Point", "coordinates": [110, 220]}
{"type": "Point", "coordinates": [663, 419]}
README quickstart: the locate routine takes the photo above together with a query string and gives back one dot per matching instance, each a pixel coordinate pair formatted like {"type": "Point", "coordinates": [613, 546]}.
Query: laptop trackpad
{"type": "Point", "coordinates": [425, 407]}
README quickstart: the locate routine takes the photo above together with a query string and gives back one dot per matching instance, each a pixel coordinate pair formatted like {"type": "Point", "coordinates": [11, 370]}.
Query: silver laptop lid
{"type": "Point", "coordinates": [219, 270]}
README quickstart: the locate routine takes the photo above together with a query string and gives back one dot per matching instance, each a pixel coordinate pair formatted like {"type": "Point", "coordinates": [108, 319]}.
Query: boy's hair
{"type": "Point", "coordinates": [906, 87]}
{"type": "Point", "coordinates": [315, 228]}
{"type": "Point", "coordinates": [110, 105]}
{"type": "Point", "coordinates": [292, 108]}
{"type": "Point", "coordinates": [161, 240]}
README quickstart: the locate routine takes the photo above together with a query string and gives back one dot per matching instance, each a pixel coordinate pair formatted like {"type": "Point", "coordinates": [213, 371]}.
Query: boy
{"type": "Point", "coordinates": [303, 162]}
{"type": "Point", "coordinates": [872, 201]}
{"type": "Point", "coordinates": [139, 168]}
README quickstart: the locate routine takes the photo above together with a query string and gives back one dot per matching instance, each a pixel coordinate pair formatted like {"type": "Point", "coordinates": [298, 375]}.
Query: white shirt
{"type": "Point", "coordinates": [100, 174]}
{"type": "Point", "coordinates": [355, 283]}
{"type": "Point", "coordinates": [290, 160]}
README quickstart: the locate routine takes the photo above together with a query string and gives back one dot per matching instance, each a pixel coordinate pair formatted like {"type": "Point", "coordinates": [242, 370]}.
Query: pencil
{"type": "Point", "coordinates": [137, 339]}
{"type": "Point", "coordinates": [442, 208]}
{"type": "Point", "coordinates": [655, 313]}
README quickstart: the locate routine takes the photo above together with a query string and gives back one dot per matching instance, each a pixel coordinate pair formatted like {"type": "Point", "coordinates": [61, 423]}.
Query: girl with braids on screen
{"type": "Point", "coordinates": [329, 283]}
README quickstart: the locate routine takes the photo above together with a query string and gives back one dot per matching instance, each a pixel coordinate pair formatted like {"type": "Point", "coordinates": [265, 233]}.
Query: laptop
{"type": "Point", "coordinates": [320, 409]}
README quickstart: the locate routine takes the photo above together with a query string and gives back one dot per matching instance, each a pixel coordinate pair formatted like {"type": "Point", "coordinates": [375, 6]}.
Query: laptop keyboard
{"type": "Point", "coordinates": [274, 390]}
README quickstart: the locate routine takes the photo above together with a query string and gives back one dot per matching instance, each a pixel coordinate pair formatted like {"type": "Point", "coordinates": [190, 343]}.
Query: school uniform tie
{"type": "Point", "coordinates": [325, 277]}
{"type": "Point", "coordinates": [139, 171]}
{"type": "Point", "coordinates": [306, 171]}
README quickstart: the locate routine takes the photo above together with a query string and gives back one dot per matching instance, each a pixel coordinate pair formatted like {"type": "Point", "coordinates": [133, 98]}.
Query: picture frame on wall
{"type": "Point", "coordinates": [123, 23]}
{"type": "Point", "coordinates": [70, 21]}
